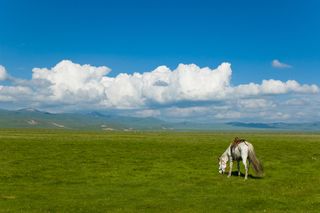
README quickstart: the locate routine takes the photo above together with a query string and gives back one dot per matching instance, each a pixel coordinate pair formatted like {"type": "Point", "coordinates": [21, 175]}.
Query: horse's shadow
{"type": "Point", "coordinates": [235, 173]}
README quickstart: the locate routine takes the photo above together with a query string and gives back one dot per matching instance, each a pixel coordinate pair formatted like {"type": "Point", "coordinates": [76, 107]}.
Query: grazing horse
{"type": "Point", "coordinates": [239, 150]}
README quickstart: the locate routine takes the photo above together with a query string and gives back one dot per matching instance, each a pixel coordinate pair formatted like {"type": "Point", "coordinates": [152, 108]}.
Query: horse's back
{"type": "Point", "coordinates": [241, 150]}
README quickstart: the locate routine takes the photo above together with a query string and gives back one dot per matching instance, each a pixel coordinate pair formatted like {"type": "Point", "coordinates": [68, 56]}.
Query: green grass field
{"type": "Point", "coordinates": [66, 171]}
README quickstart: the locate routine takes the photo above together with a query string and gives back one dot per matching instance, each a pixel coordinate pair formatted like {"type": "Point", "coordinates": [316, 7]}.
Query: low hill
{"type": "Point", "coordinates": [33, 118]}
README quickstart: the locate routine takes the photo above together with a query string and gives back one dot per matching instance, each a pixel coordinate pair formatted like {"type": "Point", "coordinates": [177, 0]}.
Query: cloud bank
{"type": "Point", "coordinates": [186, 91]}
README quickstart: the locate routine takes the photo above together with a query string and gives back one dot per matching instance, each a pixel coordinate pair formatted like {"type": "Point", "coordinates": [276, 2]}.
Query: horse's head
{"type": "Point", "coordinates": [222, 165]}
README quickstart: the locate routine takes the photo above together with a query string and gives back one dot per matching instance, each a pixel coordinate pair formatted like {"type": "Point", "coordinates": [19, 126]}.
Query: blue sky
{"type": "Point", "coordinates": [142, 35]}
{"type": "Point", "coordinates": [138, 36]}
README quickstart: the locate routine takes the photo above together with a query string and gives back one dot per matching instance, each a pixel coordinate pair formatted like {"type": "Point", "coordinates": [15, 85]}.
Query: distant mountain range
{"type": "Point", "coordinates": [33, 118]}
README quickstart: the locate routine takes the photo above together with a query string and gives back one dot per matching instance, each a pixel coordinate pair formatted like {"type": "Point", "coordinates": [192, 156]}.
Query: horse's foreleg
{"type": "Point", "coordinates": [230, 169]}
{"type": "Point", "coordinates": [238, 162]}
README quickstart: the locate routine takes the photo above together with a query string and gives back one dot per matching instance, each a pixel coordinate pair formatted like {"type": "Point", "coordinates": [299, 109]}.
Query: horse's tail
{"type": "Point", "coordinates": [254, 161]}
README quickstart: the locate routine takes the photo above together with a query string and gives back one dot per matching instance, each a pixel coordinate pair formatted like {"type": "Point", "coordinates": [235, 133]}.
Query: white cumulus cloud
{"type": "Point", "coordinates": [70, 82]}
{"type": "Point", "coordinates": [3, 73]}
{"type": "Point", "coordinates": [274, 87]}
{"type": "Point", "coordinates": [162, 85]}
{"type": "Point", "coordinates": [277, 64]}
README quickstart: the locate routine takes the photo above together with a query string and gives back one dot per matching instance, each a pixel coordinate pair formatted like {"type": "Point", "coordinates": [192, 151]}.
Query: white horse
{"type": "Point", "coordinates": [242, 150]}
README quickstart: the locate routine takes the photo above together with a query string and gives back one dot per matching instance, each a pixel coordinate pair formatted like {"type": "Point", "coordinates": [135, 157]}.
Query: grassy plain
{"type": "Point", "coordinates": [68, 171]}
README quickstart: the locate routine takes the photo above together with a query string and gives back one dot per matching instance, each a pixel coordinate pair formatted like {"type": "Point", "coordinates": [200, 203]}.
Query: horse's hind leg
{"type": "Point", "coordinates": [238, 162]}
{"type": "Point", "coordinates": [244, 161]}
